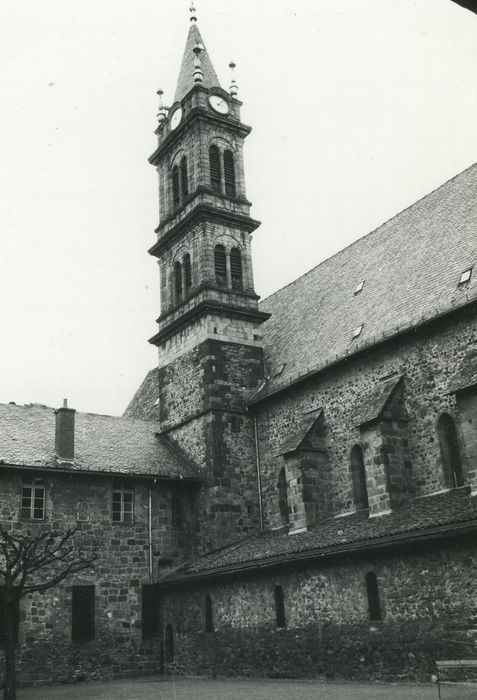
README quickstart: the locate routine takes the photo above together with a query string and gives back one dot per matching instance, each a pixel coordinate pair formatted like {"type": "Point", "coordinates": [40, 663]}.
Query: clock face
{"type": "Point", "coordinates": [176, 118]}
{"type": "Point", "coordinates": [219, 104]}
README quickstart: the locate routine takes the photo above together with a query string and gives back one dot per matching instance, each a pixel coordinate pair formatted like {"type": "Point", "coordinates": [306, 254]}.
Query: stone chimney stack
{"type": "Point", "coordinates": [65, 432]}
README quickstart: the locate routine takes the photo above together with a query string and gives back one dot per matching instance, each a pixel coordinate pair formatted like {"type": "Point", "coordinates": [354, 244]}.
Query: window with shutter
{"type": "Point", "coordinates": [184, 180]}
{"type": "Point", "coordinates": [220, 265]}
{"type": "Point", "coordinates": [215, 174]}
{"type": "Point", "coordinates": [187, 271]}
{"type": "Point", "coordinates": [229, 174]}
{"type": "Point", "coordinates": [176, 195]}
{"type": "Point", "coordinates": [236, 268]}
{"type": "Point", "coordinates": [178, 279]}
{"type": "Point", "coordinates": [82, 613]}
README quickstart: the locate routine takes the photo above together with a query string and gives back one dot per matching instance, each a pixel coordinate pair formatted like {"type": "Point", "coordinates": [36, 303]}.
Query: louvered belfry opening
{"type": "Point", "coordinates": [229, 174]}
{"type": "Point", "coordinates": [220, 265]}
{"type": "Point", "coordinates": [184, 179]}
{"type": "Point", "coordinates": [176, 194]}
{"type": "Point", "coordinates": [178, 279]}
{"type": "Point", "coordinates": [215, 174]}
{"type": "Point", "coordinates": [236, 268]}
{"type": "Point", "coordinates": [187, 271]}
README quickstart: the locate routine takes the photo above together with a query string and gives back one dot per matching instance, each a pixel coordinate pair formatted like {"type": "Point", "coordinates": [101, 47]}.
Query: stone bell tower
{"type": "Point", "coordinates": [209, 340]}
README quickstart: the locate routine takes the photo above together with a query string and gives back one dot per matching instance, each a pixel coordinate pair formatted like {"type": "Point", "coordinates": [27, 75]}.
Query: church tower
{"type": "Point", "coordinates": [209, 341]}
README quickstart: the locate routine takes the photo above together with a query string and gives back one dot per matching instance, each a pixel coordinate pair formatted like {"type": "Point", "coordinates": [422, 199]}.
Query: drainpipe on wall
{"type": "Point", "coordinates": [259, 468]}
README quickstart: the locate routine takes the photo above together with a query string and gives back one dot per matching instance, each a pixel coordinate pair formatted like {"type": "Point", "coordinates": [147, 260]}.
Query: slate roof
{"type": "Point", "coordinates": [102, 444]}
{"type": "Point", "coordinates": [186, 75]}
{"type": "Point", "coordinates": [466, 375]}
{"type": "Point", "coordinates": [424, 517]}
{"type": "Point", "coordinates": [375, 402]}
{"type": "Point", "coordinates": [411, 266]}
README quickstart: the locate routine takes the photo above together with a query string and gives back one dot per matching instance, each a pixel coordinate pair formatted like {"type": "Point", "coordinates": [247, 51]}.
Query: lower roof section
{"type": "Point", "coordinates": [429, 517]}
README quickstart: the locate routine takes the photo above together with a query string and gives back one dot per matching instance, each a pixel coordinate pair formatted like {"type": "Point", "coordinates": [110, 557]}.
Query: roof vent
{"type": "Point", "coordinates": [465, 276]}
{"type": "Point", "coordinates": [357, 331]}
{"type": "Point", "coordinates": [65, 432]}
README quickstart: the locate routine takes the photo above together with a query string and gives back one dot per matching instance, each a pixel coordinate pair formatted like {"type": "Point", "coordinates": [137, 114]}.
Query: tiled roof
{"type": "Point", "coordinates": [426, 516]}
{"type": "Point", "coordinates": [186, 75]}
{"type": "Point", "coordinates": [295, 439]}
{"type": "Point", "coordinates": [375, 402]}
{"type": "Point", "coordinates": [411, 266]}
{"type": "Point", "coordinates": [145, 402]}
{"type": "Point", "coordinates": [102, 444]}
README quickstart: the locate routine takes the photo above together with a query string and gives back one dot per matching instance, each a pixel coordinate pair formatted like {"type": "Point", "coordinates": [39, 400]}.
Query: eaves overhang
{"type": "Point", "coordinates": [203, 213]}
{"type": "Point", "coordinates": [208, 307]}
{"type": "Point", "coordinates": [317, 555]}
{"type": "Point", "coordinates": [361, 349]}
{"type": "Point", "coordinates": [70, 469]}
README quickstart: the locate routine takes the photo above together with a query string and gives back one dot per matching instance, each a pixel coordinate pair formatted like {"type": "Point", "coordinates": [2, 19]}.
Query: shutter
{"type": "Point", "coordinates": [236, 268]}
{"type": "Point", "coordinates": [229, 174]}
{"type": "Point", "coordinates": [220, 266]}
{"type": "Point", "coordinates": [214, 160]}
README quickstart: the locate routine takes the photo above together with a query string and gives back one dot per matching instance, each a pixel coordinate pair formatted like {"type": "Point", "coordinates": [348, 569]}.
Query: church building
{"type": "Point", "coordinates": [292, 491]}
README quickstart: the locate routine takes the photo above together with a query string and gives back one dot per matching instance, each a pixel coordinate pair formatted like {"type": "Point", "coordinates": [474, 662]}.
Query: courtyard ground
{"type": "Point", "coordinates": [154, 688]}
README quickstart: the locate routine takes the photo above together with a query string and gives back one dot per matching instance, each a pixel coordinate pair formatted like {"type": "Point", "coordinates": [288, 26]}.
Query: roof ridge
{"type": "Point", "coordinates": [370, 233]}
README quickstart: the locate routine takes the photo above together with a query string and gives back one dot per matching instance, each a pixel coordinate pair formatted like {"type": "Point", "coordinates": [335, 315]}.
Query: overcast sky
{"type": "Point", "coordinates": [359, 108]}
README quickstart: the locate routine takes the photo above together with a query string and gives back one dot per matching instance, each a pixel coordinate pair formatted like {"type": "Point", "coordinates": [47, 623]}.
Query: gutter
{"type": "Point", "coordinates": [285, 560]}
{"type": "Point", "coordinates": [93, 472]}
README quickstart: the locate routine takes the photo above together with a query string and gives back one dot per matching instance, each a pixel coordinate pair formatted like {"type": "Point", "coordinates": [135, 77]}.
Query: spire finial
{"type": "Point", "coordinates": [233, 84]}
{"type": "Point", "coordinates": [198, 74]}
{"type": "Point", "coordinates": [162, 113]}
{"type": "Point", "coordinates": [193, 12]}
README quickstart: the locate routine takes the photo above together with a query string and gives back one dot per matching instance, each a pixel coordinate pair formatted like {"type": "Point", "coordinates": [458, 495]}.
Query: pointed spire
{"type": "Point", "coordinates": [188, 70]}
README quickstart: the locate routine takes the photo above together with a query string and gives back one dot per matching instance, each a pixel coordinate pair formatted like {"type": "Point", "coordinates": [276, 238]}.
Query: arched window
{"type": "Point", "coordinates": [187, 271]}
{"type": "Point", "coordinates": [178, 279]}
{"type": "Point", "coordinates": [229, 174]}
{"type": "Point", "coordinates": [209, 617]}
{"type": "Point", "coordinates": [169, 645]}
{"type": "Point", "coordinates": [184, 180]}
{"type": "Point", "coordinates": [176, 193]}
{"type": "Point", "coordinates": [282, 495]}
{"type": "Point", "coordinates": [358, 473]}
{"type": "Point", "coordinates": [374, 605]}
{"type": "Point", "coordinates": [236, 268]}
{"type": "Point", "coordinates": [220, 265]}
{"type": "Point", "coordinates": [279, 607]}
{"type": "Point", "coordinates": [451, 462]}
{"type": "Point", "coordinates": [215, 174]}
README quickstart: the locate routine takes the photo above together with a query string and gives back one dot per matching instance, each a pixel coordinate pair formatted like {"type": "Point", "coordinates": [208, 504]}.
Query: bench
{"type": "Point", "coordinates": [453, 664]}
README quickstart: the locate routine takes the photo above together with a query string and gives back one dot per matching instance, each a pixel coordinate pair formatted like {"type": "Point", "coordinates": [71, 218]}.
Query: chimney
{"type": "Point", "coordinates": [65, 432]}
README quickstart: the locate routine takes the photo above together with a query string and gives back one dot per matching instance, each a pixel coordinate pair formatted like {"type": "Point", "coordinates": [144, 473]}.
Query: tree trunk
{"type": "Point", "coordinates": [10, 692]}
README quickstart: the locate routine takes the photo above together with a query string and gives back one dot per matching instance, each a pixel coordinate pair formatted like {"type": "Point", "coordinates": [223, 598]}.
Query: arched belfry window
{"type": "Point", "coordinates": [178, 279]}
{"type": "Point", "coordinates": [236, 268]}
{"type": "Point", "coordinates": [215, 172]}
{"type": "Point", "coordinates": [220, 265]}
{"type": "Point", "coordinates": [280, 607]}
{"type": "Point", "coordinates": [169, 645]}
{"type": "Point", "coordinates": [358, 473]}
{"type": "Point", "coordinates": [184, 179]}
{"type": "Point", "coordinates": [450, 455]}
{"type": "Point", "coordinates": [209, 617]}
{"type": "Point", "coordinates": [176, 192]}
{"type": "Point", "coordinates": [229, 174]}
{"type": "Point", "coordinates": [282, 495]}
{"type": "Point", "coordinates": [187, 271]}
{"type": "Point", "coordinates": [374, 606]}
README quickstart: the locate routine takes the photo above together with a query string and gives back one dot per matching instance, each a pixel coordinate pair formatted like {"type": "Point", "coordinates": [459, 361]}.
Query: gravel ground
{"type": "Point", "coordinates": [256, 689]}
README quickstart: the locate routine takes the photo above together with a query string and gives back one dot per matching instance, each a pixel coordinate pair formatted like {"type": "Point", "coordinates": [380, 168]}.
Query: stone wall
{"type": "Point", "coordinates": [427, 360]}
{"type": "Point", "coordinates": [426, 597]}
{"type": "Point", "coordinates": [46, 652]}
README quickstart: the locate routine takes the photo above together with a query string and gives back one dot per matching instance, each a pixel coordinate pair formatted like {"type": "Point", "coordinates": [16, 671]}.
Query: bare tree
{"type": "Point", "coordinates": [34, 560]}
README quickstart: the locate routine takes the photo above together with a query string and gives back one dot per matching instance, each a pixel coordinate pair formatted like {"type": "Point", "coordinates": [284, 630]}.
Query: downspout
{"type": "Point", "coordinates": [259, 468]}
